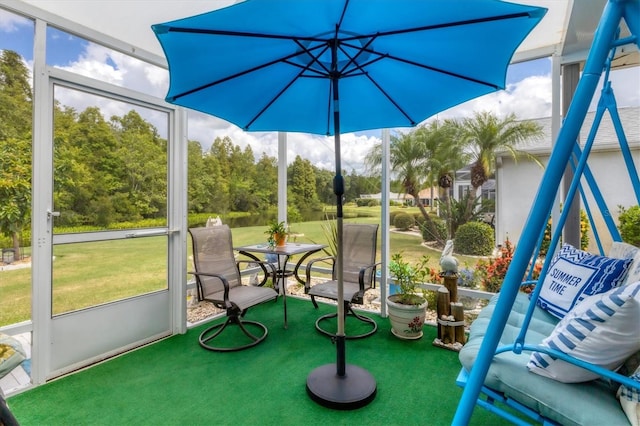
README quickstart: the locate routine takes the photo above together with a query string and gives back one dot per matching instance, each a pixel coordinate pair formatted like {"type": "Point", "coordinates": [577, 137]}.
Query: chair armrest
{"type": "Point", "coordinates": [307, 283]}
{"type": "Point", "coordinates": [373, 278]}
{"type": "Point", "coordinates": [263, 265]}
{"type": "Point", "coordinates": [224, 281]}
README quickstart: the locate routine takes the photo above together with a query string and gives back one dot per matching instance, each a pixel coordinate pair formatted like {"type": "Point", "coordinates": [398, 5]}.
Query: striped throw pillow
{"type": "Point", "coordinates": [602, 330]}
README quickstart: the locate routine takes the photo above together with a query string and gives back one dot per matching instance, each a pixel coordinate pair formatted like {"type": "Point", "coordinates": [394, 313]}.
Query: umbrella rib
{"type": "Point", "coordinates": [442, 71]}
{"type": "Point", "coordinates": [317, 39]}
{"type": "Point", "coordinates": [284, 89]}
{"type": "Point", "coordinates": [284, 59]}
{"type": "Point", "coordinates": [352, 60]}
{"type": "Point", "coordinates": [240, 34]}
{"type": "Point", "coordinates": [440, 26]}
{"type": "Point", "coordinates": [386, 95]}
{"type": "Point", "coordinates": [380, 56]}
{"type": "Point", "coordinates": [323, 48]}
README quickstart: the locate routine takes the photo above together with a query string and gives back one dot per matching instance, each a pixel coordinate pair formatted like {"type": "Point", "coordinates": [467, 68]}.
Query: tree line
{"type": "Point", "coordinates": [111, 170]}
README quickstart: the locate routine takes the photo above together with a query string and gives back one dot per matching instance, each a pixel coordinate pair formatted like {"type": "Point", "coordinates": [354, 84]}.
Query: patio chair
{"type": "Point", "coordinates": [359, 256]}
{"type": "Point", "coordinates": [218, 281]}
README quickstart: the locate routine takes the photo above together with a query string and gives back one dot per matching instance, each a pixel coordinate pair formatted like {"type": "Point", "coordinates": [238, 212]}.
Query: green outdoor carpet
{"type": "Point", "coordinates": [176, 382]}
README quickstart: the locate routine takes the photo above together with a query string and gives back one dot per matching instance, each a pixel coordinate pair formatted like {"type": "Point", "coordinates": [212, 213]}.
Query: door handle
{"type": "Point", "coordinates": [51, 214]}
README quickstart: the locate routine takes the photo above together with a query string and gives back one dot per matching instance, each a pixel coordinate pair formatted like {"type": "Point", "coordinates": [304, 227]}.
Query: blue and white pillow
{"type": "Point", "coordinates": [622, 250]}
{"type": "Point", "coordinates": [575, 274]}
{"type": "Point", "coordinates": [630, 399]}
{"type": "Point", "coordinates": [602, 330]}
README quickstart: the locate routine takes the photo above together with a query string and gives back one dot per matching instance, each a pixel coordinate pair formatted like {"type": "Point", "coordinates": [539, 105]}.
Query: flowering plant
{"type": "Point", "coordinates": [493, 271]}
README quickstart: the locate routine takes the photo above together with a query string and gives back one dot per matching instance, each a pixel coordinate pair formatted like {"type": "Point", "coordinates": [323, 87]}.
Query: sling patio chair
{"type": "Point", "coordinates": [219, 282]}
{"type": "Point", "coordinates": [359, 266]}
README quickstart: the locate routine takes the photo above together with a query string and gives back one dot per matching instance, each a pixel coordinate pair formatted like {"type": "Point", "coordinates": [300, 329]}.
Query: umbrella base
{"type": "Point", "coordinates": [355, 389]}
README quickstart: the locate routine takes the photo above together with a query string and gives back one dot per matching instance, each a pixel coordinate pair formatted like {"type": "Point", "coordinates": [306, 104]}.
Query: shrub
{"type": "Point", "coordinates": [419, 219]}
{"type": "Point", "coordinates": [393, 214]}
{"type": "Point", "coordinates": [435, 231]}
{"type": "Point", "coordinates": [403, 221]}
{"type": "Point", "coordinates": [474, 238]}
{"type": "Point", "coordinates": [630, 225]}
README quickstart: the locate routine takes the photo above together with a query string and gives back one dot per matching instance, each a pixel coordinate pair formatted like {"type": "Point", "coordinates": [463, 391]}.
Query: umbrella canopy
{"type": "Point", "coordinates": [331, 66]}
{"type": "Point", "coordinates": [266, 64]}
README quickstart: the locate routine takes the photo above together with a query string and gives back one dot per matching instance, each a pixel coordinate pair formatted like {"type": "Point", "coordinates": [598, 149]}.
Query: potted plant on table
{"type": "Point", "coordinates": [277, 233]}
{"type": "Point", "coordinates": [407, 309]}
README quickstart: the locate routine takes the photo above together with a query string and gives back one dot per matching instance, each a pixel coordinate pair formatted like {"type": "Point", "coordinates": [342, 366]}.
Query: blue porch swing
{"type": "Point", "coordinates": [512, 326]}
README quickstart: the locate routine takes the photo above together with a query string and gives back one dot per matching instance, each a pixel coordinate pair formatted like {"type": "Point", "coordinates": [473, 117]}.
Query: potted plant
{"type": "Point", "coordinates": [277, 233]}
{"type": "Point", "coordinates": [407, 309]}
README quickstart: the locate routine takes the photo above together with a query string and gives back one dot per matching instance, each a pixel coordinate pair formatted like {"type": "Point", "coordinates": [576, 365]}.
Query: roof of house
{"type": "Point", "coordinates": [606, 137]}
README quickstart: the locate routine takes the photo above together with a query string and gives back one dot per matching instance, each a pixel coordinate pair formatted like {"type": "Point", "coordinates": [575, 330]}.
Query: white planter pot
{"type": "Point", "coordinates": [406, 320]}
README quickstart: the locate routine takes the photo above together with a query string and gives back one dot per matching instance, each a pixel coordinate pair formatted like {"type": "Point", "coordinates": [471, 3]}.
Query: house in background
{"type": "Point", "coordinates": [517, 182]}
{"type": "Point", "coordinates": [395, 197]}
{"type": "Point", "coordinates": [462, 185]}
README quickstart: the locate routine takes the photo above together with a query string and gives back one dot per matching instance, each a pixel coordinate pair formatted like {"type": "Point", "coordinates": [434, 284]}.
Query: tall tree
{"type": "Point", "coordinates": [410, 162]}
{"type": "Point", "coordinates": [266, 181]}
{"type": "Point", "coordinates": [142, 158]}
{"type": "Point", "coordinates": [485, 134]}
{"type": "Point", "coordinates": [444, 155]}
{"type": "Point", "coordinates": [324, 185]}
{"type": "Point", "coordinates": [302, 183]}
{"type": "Point", "coordinates": [15, 146]}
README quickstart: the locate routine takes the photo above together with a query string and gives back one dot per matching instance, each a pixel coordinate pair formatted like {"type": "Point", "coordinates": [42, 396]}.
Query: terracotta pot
{"type": "Point", "coordinates": [406, 320]}
{"type": "Point", "coordinates": [281, 239]}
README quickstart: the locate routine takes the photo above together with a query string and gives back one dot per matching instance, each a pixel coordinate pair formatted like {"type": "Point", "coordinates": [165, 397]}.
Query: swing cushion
{"type": "Point", "coordinates": [603, 330]}
{"type": "Point", "coordinates": [575, 274]}
{"type": "Point", "coordinates": [588, 403]}
{"type": "Point", "coordinates": [630, 399]}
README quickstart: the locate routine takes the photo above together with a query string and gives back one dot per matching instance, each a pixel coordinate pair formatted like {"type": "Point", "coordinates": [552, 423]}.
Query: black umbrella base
{"type": "Point", "coordinates": [355, 389]}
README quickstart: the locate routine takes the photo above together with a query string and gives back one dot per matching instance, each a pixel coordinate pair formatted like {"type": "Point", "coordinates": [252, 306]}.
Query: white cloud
{"type": "Point", "coordinates": [9, 22]}
{"type": "Point", "coordinates": [530, 98]}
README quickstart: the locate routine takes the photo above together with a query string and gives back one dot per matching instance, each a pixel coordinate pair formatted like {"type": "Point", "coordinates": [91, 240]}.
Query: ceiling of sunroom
{"type": "Point", "coordinates": [566, 30]}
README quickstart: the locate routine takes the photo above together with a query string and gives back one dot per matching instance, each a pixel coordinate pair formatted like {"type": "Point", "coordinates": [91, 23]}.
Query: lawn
{"type": "Point", "coordinates": [92, 273]}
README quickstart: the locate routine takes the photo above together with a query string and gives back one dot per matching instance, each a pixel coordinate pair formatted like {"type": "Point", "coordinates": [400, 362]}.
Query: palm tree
{"type": "Point", "coordinates": [417, 157]}
{"type": "Point", "coordinates": [445, 156]}
{"type": "Point", "coordinates": [485, 135]}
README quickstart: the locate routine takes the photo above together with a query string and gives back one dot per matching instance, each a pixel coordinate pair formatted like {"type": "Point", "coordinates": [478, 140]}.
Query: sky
{"type": "Point", "coordinates": [527, 94]}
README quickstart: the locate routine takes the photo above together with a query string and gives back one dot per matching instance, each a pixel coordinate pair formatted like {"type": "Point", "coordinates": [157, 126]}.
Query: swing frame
{"type": "Point", "coordinates": [566, 151]}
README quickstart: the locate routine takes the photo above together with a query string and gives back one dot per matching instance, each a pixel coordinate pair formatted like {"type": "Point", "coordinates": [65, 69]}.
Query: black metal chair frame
{"type": "Point", "coordinates": [348, 309]}
{"type": "Point", "coordinates": [234, 314]}
{"type": "Point", "coordinates": [357, 298]}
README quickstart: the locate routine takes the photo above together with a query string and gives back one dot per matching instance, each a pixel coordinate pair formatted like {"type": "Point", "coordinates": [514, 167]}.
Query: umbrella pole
{"type": "Point", "coordinates": [341, 386]}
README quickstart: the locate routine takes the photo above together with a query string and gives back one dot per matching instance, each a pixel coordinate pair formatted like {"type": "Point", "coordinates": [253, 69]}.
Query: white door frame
{"type": "Point", "coordinates": [64, 343]}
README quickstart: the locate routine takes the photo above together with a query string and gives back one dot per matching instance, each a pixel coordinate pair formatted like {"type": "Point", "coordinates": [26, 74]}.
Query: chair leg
{"type": "Point", "coordinates": [214, 331]}
{"type": "Point", "coordinates": [348, 311]}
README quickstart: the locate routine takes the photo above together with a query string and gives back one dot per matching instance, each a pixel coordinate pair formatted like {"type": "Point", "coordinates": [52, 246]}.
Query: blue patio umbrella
{"type": "Point", "coordinates": [332, 66]}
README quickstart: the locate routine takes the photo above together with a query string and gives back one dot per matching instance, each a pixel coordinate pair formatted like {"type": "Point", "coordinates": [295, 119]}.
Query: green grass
{"type": "Point", "coordinates": [87, 274]}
